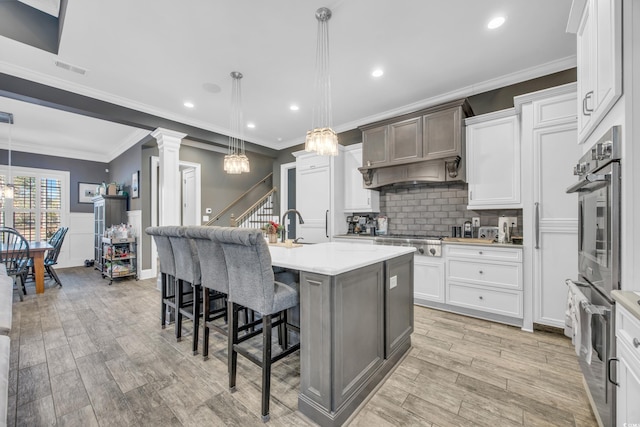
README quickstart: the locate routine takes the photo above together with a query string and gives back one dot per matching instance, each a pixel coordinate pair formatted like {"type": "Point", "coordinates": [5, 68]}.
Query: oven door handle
{"type": "Point", "coordinates": [613, 359]}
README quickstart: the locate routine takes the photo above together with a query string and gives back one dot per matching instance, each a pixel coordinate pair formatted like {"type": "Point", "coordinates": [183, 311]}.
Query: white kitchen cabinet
{"type": "Point", "coordinates": [428, 279]}
{"type": "Point", "coordinates": [550, 215]}
{"type": "Point", "coordinates": [485, 279]}
{"type": "Point", "coordinates": [598, 29]}
{"type": "Point", "coordinates": [493, 160]}
{"type": "Point", "coordinates": [356, 197]}
{"type": "Point", "coordinates": [319, 196]}
{"type": "Point", "coordinates": [628, 352]}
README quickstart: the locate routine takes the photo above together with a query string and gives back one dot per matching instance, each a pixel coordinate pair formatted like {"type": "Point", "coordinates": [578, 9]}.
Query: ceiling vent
{"type": "Point", "coordinates": [6, 117]}
{"type": "Point", "coordinates": [73, 68]}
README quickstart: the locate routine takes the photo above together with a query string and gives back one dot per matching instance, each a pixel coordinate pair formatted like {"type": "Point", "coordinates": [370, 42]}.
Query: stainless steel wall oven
{"type": "Point", "coordinates": [598, 191]}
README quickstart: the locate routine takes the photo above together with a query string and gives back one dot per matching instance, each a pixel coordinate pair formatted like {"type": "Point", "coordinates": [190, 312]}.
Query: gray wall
{"type": "Point", "coordinates": [122, 168]}
{"type": "Point", "coordinates": [79, 171]}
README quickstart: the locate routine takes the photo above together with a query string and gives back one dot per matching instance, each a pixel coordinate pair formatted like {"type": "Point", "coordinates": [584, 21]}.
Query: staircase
{"type": "Point", "coordinates": [256, 216]}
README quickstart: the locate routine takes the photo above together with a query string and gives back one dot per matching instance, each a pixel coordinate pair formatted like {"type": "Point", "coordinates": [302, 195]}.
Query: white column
{"type": "Point", "coordinates": [169, 188]}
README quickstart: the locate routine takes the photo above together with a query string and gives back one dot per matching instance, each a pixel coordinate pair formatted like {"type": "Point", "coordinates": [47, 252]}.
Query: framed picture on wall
{"type": "Point", "coordinates": [86, 192]}
{"type": "Point", "coordinates": [135, 188]}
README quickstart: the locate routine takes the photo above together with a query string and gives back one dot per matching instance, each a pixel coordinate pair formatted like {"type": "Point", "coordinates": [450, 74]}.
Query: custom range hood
{"type": "Point", "coordinates": [424, 146]}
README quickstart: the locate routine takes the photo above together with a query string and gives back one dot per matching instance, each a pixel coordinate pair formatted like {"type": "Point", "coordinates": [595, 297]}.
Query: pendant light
{"type": "Point", "coordinates": [236, 162]}
{"type": "Point", "coordinates": [322, 139]}
{"type": "Point", "coordinates": [8, 186]}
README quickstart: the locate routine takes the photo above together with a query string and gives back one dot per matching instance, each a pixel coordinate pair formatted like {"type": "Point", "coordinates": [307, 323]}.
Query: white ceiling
{"type": "Point", "coordinates": [153, 55]}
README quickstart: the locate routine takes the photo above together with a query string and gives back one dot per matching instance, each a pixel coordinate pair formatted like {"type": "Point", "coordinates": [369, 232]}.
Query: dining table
{"type": "Point", "coordinates": [37, 251]}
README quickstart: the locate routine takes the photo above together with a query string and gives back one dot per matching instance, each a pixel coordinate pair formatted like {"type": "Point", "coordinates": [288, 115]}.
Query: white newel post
{"type": "Point", "coordinates": [169, 174]}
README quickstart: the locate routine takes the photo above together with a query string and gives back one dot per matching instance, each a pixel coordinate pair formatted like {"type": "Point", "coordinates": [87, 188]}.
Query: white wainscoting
{"type": "Point", "coordinates": [78, 243]}
{"type": "Point", "coordinates": [134, 218]}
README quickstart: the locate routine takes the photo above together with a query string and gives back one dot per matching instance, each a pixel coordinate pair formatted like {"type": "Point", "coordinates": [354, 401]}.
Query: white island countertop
{"type": "Point", "coordinates": [333, 258]}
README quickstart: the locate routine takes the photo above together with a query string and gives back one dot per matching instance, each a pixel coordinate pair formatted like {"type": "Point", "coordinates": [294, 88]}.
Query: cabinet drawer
{"type": "Point", "coordinates": [628, 329]}
{"type": "Point", "coordinates": [484, 252]}
{"type": "Point", "coordinates": [501, 275]}
{"type": "Point", "coordinates": [506, 303]}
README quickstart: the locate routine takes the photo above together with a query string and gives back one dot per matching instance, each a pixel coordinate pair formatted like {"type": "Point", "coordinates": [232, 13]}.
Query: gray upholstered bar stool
{"type": "Point", "coordinates": [252, 285]}
{"type": "Point", "coordinates": [214, 278]}
{"type": "Point", "coordinates": [167, 272]}
{"type": "Point", "coordinates": [185, 255]}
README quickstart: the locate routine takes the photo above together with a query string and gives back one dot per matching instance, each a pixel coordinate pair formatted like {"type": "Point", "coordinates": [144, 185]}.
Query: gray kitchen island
{"type": "Point", "coordinates": [356, 320]}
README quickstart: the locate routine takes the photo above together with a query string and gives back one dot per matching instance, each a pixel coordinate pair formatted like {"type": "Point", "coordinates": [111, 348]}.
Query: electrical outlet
{"type": "Point", "coordinates": [513, 221]}
{"type": "Point", "coordinates": [475, 221]}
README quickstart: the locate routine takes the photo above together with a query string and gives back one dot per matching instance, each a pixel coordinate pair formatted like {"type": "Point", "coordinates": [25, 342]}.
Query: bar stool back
{"type": "Point", "coordinates": [167, 272]}
{"type": "Point", "coordinates": [187, 264]}
{"type": "Point", "coordinates": [214, 278]}
{"type": "Point", "coordinates": [252, 285]}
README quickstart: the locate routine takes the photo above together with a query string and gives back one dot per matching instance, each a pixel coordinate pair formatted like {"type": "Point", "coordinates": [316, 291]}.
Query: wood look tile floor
{"type": "Point", "coordinates": [89, 354]}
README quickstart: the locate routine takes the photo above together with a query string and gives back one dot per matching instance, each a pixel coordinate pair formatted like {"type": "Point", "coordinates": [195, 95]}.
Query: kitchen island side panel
{"type": "Point", "coordinates": [398, 294]}
{"type": "Point", "coordinates": [315, 338]}
{"type": "Point", "coordinates": [358, 319]}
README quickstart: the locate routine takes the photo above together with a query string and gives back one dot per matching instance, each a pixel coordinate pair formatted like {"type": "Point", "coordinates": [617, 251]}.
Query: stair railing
{"type": "Point", "coordinates": [238, 200]}
{"type": "Point", "coordinates": [258, 214]}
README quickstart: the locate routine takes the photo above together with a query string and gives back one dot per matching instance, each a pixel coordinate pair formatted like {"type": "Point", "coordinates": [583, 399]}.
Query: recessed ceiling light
{"type": "Point", "coordinates": [251, 125]}
{"type": "Point", "coordinates": [188, 104]}
{"type": "Point", "coordinates": [294, 107]}
{"type": "Point", "coordinates": [496, 22]}
{"type": "Point", "coordinates": [377, 72]}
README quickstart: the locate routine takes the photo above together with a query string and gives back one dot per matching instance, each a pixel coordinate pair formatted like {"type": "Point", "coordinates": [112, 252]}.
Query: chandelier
{"type": "Point", "coordinates": [322, 139]}
{"type": "Point", "coordinates": [236, 162]}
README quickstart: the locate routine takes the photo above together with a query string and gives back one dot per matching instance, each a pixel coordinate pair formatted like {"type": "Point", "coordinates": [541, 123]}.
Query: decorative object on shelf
{"type": "Point", "coordinates": [236, 161]}
{"type": "Point", "coordinates": [322, 139]}
{"type": "Point", "coordinates": [135, 178]}
{"type": "Point", "coordinates": [8, 185]}
{"type": "Point", "coordinates": [273, 230]}
{"type": "Point", "coordinates": [86, 192]}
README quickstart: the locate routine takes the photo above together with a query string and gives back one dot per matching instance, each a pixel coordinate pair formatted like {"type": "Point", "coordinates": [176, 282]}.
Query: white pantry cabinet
{"type": "Point", "coordinates": [493, 160]}
{"type": "Point", "coordinates": [356, 197]}
{"type": "Point", "coordinates": [628, 352]}
{"type": "Point", "coordinates": [550, 215]}
{"type": "Point", "coordinates": [319, 196]}
{"type": "Point", "coordinates": [598, 28]}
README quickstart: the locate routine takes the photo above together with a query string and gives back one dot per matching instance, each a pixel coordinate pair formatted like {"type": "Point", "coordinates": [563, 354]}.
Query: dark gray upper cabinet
{"type": "Point", "coordinates": [433, 133]}
{"type": "Point", "coordinates": [442, 133]}
{"type": "Point", "coordinates": [405, 140]}
{"type": "Point", "coordinates": [374, 147]}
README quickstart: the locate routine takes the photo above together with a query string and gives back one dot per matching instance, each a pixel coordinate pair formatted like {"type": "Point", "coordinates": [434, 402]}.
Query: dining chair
{"type": "Point", "coordinates": [252, 284]}
{"type": "Point", "coordinates": [51, 259]}
{"type": "Point", "coordinates": [14, 255]}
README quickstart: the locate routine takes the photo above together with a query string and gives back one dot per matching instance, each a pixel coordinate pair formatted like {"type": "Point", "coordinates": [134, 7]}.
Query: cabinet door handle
{"type": "Point", "coordinates": [470, 195]}
{"type": "Point", "coordinates": [586, 108]}
{"type": "Point", "coordinates": [481, 297]}
{"type": "Point", "coordinates": [326, 223]}
{"type": "Point", "coordinates": [613, 359]}
{"type": "Point", "coordinates": [537, 225]}
{"type": "Point", "coordinates": [481, 272]}
{"type": "Point", "coordinates": [636, 343]}
{"type": "Point", "coordinates": [479, 252]}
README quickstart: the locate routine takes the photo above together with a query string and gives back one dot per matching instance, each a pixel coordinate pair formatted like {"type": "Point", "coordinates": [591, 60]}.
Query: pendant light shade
{"type": "Point", "coordinates": [322, 139]}
{"type": "Point", "coordinates": [236, 162]}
